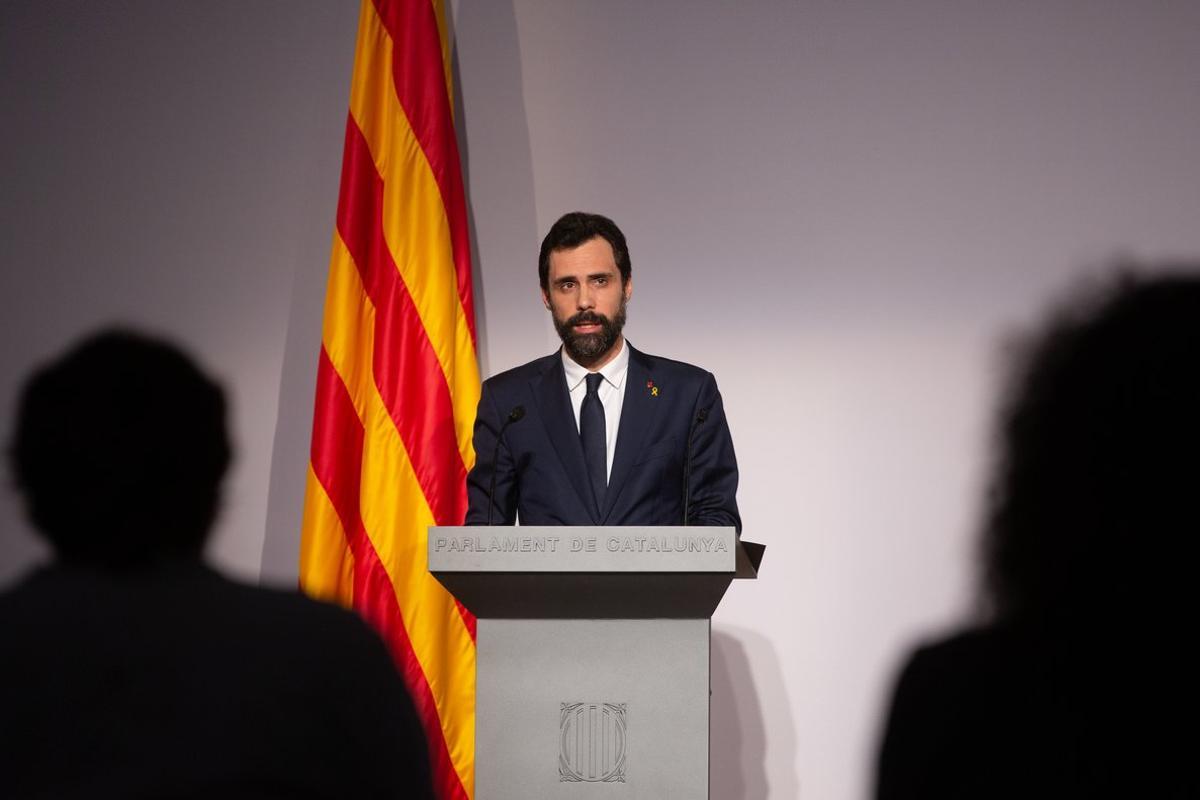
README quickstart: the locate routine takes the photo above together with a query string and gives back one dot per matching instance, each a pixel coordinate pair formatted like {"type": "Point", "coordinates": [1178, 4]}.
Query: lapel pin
{"type": "Point", "coordinates": [653, 389]}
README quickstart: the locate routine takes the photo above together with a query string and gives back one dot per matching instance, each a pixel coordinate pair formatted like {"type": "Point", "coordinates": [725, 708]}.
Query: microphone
{"type": "Point", "coordinates": [513, 416]}
{"type": "Point", "coordinates": [701, 415]}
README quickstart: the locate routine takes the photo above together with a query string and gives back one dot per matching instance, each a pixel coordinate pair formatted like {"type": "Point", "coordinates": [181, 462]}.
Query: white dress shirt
{"type": "Point", "coordinates": [611, 391]}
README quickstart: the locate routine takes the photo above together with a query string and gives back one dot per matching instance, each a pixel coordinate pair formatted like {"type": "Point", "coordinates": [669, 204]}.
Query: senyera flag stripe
{"type": "Point", "coordinates": [397, 499]}
{"type": "Point", "coordinates": [421, 87]}
{"type": "Point", "coordinates": [398, 376]}
{"type": "Point", "coordinates": [336, 454]}
{"type": "Point", "coordinates": [439, 10]}
{"type": "Point", "coordinates": [415, 225]}
{"type": "Point", "coordinates": [326, 562]}
{"type": "Point", "coordinates": [418, 227]}
{"type": "Point", "coordinates": [393, 501]}
{"type": "Point", "coordinates": [407, 370]}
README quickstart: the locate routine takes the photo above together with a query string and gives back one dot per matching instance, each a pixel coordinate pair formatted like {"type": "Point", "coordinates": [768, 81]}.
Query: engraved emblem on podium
{"type": "Point", "coordinates": [592, 739]}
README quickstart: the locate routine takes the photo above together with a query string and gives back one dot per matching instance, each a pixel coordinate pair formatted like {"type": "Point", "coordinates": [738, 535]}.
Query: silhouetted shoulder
{"type": "Point", "coordinates": [183, 596]}
{"type": "Point", "coordinates": [1006, 711]}
{"type": "Point", "coordinates": [180, 682]}
{"type": "Point", "coordinates": [958, 708]}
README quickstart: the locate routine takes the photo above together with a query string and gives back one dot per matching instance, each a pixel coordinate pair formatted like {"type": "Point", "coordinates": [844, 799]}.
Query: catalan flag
{"type": "Point", "coordinates": [397, 379]}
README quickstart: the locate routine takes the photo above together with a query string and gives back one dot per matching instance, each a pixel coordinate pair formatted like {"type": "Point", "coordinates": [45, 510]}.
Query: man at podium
{"type": "Point", "coordinates": [599, 433]}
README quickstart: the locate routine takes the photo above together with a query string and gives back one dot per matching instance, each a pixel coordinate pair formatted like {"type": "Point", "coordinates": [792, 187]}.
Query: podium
{"type": "Point", "coordinates": [592, 654]}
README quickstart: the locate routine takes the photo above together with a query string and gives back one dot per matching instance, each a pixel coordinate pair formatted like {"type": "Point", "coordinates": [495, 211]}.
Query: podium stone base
{"type": "Point", "coordinates": [592, 709]}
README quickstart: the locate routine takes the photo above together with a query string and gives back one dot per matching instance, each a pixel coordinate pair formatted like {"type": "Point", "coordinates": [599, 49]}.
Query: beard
{"type": "Point", "coordinates": [587, 348]}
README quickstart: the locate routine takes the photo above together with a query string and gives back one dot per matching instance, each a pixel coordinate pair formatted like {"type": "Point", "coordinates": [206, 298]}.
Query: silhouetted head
{"type": "Point", "coordinates": [1095, 510]}
{"type": "Point", "coordinates": [575, 228]}
{"type": "Point", "coordinates": [119, 450]}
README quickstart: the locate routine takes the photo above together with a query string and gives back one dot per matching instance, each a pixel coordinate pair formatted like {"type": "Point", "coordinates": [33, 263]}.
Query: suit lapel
{"type": "Point", "coordinates": [637, 413]}
{"type": "Point", "coordinates": [550, 389]}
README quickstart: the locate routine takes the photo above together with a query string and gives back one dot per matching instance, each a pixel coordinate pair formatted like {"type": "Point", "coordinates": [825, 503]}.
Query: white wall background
{"type": "Point", "coordinates": [173, 166]}
{"type": "Point", "coordinates": [841, 209]}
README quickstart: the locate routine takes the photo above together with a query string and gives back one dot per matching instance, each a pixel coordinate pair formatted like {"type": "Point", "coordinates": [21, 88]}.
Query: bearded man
{"type": "Point", "coordinates": [599, 433]}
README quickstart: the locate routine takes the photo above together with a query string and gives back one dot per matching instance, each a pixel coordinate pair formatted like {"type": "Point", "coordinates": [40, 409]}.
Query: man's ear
{"type": "Point", "coordinates": [628, 288]}
{"type": "Point", "coordinates": [545, 299]}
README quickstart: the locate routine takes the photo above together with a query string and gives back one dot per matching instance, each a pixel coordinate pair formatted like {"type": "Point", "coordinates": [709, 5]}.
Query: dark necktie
{"type": "Point", "coordinates": [592, 433]}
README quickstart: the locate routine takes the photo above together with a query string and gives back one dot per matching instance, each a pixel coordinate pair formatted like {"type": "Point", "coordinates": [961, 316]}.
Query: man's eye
{"type": "Point", "coordinates": [567, 285]}
{"type": "Point", "coordinates": [601, 281]}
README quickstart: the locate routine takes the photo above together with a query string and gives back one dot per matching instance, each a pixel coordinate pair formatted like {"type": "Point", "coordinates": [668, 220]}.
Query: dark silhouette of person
{"type": "Point", "coordinates": [130, 669]}
{"type": "Point", "coordinates": [1081, 679]}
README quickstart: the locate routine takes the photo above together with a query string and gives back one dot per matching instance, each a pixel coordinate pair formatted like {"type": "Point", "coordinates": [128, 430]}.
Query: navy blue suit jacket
{"type": "Point", "coordinates": [540, 473]}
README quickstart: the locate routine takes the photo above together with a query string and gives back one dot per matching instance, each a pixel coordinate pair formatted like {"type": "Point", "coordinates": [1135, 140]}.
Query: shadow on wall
{"type": "Point", "coordinates": [738, 733]}
{"type": "Point", "coordinates": [302, 347]}
{"type": "Point", "coordinates": [498, 169]}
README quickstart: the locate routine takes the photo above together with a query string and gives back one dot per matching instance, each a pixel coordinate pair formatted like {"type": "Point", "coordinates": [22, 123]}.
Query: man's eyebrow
{"type": "Point", "coordinates": [561, 279]}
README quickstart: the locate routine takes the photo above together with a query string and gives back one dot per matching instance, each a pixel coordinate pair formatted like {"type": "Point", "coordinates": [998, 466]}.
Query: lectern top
{"type": "Point", "coordinates": [612, 549]}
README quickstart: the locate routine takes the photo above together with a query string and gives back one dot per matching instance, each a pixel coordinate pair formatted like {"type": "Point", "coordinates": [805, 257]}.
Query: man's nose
{"type": "Point", "coordinates": [585, 299]}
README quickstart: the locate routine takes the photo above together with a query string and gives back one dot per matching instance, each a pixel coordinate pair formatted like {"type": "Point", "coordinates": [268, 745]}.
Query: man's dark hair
{"type": "Point", "coordinates": [1093, 513]}
{"type": "Point", "coordinates": [119, 449]}
{"type": "Point", "coordinates": [576, 228]}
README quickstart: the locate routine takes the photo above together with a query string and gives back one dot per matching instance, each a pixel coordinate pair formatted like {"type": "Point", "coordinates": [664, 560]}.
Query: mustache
{"type": "Point", "coordinates": [588, 318]}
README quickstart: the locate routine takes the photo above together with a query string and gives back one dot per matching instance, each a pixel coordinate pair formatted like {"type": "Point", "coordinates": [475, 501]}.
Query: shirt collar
{"type": "Point", "coordinates": [614, 371]}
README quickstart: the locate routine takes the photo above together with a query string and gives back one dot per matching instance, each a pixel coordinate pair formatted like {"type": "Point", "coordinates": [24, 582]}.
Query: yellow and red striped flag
{"type": "Point", "coordinates": [397, 380]}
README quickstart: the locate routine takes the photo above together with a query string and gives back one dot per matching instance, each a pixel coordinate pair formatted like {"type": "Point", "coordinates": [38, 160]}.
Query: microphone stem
{"type": "Point", "coordinates": [514, 415]}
